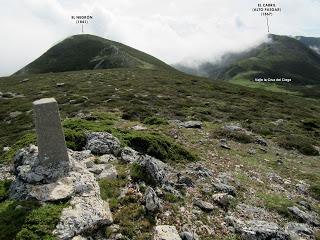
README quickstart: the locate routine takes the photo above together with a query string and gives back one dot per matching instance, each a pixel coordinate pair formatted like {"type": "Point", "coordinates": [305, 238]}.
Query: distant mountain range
{"type": "Point", "coordinates": [85, 52]}
{"type": "Point", "coordinates": [279, 57]}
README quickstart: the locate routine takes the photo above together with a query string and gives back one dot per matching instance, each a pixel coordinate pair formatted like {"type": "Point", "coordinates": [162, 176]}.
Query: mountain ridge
{"type": "Point", "coordinates": [88, 52]}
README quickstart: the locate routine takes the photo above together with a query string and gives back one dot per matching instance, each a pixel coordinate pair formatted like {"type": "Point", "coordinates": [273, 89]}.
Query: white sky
{"type": "Point", "coordinates": [172, 30]}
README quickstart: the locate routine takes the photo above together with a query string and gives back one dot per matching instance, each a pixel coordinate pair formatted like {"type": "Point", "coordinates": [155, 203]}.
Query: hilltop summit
{"type": "Point", "coordinates": [87, 52]}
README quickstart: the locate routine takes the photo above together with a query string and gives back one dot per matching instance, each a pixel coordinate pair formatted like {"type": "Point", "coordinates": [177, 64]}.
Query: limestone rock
{"type": "Point", "coordinates": [222, 199]}
{"type": "Point", "coordinates": [205, 206]}
{"type": "Point", "coordinates": [188, 236]}
{"type": "Point", "coordinates": [257, 230]}
{"type": "Point", "coordinates": [191, 124]}
{"type": "Point", "coordinates": [60, 190]}
{"type": "Point", "coordinates": [307, 217]}
{"type": "Point", "coordinates": [221, 187]}
{"type": "Point", "coordinates": [165, 232]}
{"type": "Point", "coordinates": [84, 215]}
{"type": "Point", "coordinates": [109, 172]}
{"type": "Point", "coordinates": [156, 169]}
{"type": "Point", "coordinates": [102, 143]}
{"type": "Point", "coordinates": [129, 155]}
{"type": "Point", "coordinates": [299, 230]}
{"type": "Point", "coordinates": [152, 201]}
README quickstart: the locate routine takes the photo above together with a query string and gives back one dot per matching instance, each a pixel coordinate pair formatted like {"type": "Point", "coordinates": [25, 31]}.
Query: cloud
{"type": "Point", "coordinates": [172, 30]}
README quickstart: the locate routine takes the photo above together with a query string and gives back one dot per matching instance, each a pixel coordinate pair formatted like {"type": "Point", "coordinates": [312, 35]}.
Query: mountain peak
{"type": "Point", "coordinates": [86, 52]}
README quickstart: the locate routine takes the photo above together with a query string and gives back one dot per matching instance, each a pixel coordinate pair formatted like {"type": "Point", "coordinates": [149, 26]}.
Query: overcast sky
{"type": "Point", "coordinates": [172, 30]}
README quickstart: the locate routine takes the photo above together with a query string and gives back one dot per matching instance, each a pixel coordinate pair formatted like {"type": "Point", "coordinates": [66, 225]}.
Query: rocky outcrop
{"type": "Point", "coordinates": [205, 206]}
{"type": "Point", "coordinates": [102, 143]}
{"type": "Point", "coordinates": [153, 203]}
{"type": "Point", "coordinates": [307, 217]}
{"type": "Point", "coordinates": [191, 124]}
{"type": "Point", "coordinates": [128, 155]}
{"type": "Point", "coordinates": [166, 232]}
{"type": "Point", "coordinates": [257, 230]}
{"type": "Point", "coordinates": [87, 211]}
{"type": "Point", "coordinates": [299, 231]}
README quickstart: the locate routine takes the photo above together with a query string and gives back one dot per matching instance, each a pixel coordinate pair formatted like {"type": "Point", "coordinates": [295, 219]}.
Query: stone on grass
{"type": "Point", "coordinates": [221, 187]}
{"type": "Point", "coordinates": [299, 230]}
{"type": "Point", "coordinates": [109, 172]}
{"type": "Point", "coordinates": [222, 199]}
{"type": "Point", "coordinates": [128, 155]}
{"type": "Point", "coordinates": [102, 143]}
{"type": "Point", "coordinates": [166, 232]}
{"type": "Point", "coordinates": [191, 124]}
{"type": "Point", "coordinates": [203, 205]}
{"type": "Point", "coordinates": [83, 215]}
{"type": "Point", "coordinates": [188, 236]}
{"type": "Point", "coordinates": [305, 216]}
{"type": "Point", "coordinates": [153, 203]}
{"type": "Point", "coordinates": [257, 230]}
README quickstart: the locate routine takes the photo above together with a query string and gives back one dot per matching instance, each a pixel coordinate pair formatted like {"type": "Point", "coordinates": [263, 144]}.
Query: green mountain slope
{"type": "Point", "coordinates": [280, 57]}
{"type": "Point", "coordinates": [85, 52]}
{"type": "Point", "coordinates": [311, 42]}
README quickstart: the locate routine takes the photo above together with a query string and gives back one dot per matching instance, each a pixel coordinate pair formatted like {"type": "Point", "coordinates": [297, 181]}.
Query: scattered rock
{"type": "Point", "coordinates": [166, 232]}
{"type": "Point", "coordinates": [157, 170]}
{"type": "Point", "coordinates": [278, 122]}
{"type": "Point", "coordinates": [275, 178]}
{"type": "Point", "coordinates": [221, 187]}
{"type": "Point", "coordinates": [109, 172]}
{"type": "Point", "coordinates": [14, 114]}
{"type": "Point", "coordinates": [191, 124]}
{"type": "Point", "coordinates": [252, 151]}
{"type": "Point", "coordinates": [139, 128]}
{"type": "Point", "coordinates": [233, 128]}
{"type": "Point", "coordinates": [84, 215]}
{"type": "Point", "coordinates": [106, 158]}
{"type": "Point", "coordinates": [307, 217]}
{"type": "Point", "coordinates": [305, 205]}
{"type": "Point", "coordinates": [6, 149]}
{"type": "Point", "coordinates": [60, 84]}
{"type": "Point", "coordinates": [205, 206]}
{"type": "Point", "coordinates": [222, 199]}
{"type": "Point", "coordinates": [202, 171]}
{"type": "Point", "coordinates": [152, 201]}
{"type": "Point", "coordinates": [188, 236]}
{"type": "Point", "coordinates": [257, 230]}
{"type": "Point", "coordinates": [224, 144]}
{"type": "Point", "coordinates": [129, 155]}
{"type": "Point", "coordinates": [102, 143]}
{"type": "Point", "coordinates": [24, 80]}
{"type": "Point", "coordinates": [61, 190]}
{"type": "Point", "coordinates": [302, 188]}
{"type": "Point", "coordinates": [185, 181]}
{"type": "Point", "coordinates": [299, 230]}
{"type": "Point", "coordinates": [262, 142]}
{"type": "Point", "coordinates": [6, 172]}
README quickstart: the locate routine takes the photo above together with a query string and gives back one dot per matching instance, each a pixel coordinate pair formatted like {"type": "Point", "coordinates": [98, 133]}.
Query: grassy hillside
{"type": "Point", "coordinates": [117, 100]}
{"type": "Point", "coordinates": [84, 52]}
{"type": "Point", "coordinates": [141, 93]}
{"type": "Point", "coordinates": [279, 57]}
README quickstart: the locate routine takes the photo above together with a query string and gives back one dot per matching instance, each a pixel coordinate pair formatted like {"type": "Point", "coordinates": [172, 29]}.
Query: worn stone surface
{"type": "Point", "coordinates": [109, 172]}
{"type": "Point", "coordinates": [60, 190]}
{"type": "Point", "coordinates": [305, 216]}
{"type": "Point", "coordinates": [52, 154]}
{"type": "Point", "coordinates": [153, 203]}
{"type": "Point", "coordinates": [257, 230]}
{"type": "Point", "coordinates": [191, 124]}
{"type": "Point", "coordinates": [222, 199]}
{"type": "Point", "coordinates": [156, 169]}
{"type": "Point", "coordinates": [129, 155]}
{"type": "Point", "coordinates": [222, 187]}
{"type": "Point", "coordinates": [84, 214]}
{"type": "Point", "coordinates": [102, 143]}
{"type": "Point", "coordinates": [188, 236]}
{"type": "Point", "coordinates": [166, 232]}
{"type": "Point", "coordinates": [205, 206]}
{"type": "Point", "coordinates": [299, 230]}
